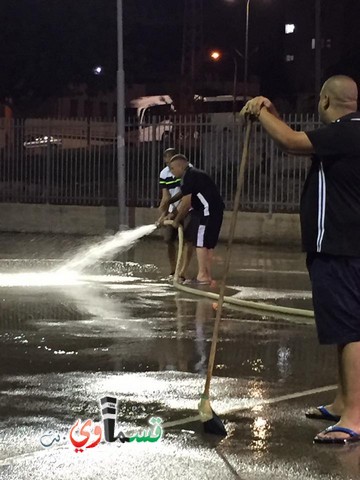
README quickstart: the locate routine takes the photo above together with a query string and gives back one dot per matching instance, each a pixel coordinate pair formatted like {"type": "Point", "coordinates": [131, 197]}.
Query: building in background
{"type": "Point", "coordinates": [299, 46]}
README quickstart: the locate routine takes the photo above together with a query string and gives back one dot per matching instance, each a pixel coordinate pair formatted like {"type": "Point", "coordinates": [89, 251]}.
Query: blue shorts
{"type": "Point", "coordinates": [335, 284]}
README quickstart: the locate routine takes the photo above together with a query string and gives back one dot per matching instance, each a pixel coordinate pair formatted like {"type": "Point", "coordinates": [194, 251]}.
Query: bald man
{"type": "Point", "coordinates": [330, 228]}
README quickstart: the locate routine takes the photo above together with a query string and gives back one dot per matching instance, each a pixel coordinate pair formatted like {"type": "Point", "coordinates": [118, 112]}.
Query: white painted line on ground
{"type": "Point", "coordinates": [283, 398]}
{"type": "Point", "coordinates": [266, 401]}
{"type": "Point", "coordinates": [182, 421]}
{"type": "Point", "coordinates": [285, 272]}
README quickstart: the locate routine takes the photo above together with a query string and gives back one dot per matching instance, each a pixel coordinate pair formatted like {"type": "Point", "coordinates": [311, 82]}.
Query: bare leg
{"type": "Point", "coordinates": [350, 378]}
{"type": "Point", "coordinates": [202, 257]}
{"type": "Point", "coordinates": [172, 256]}
{"type": "Point", "coordinates": [209, 262]}
{"type": "Point", "coordinates": [337, 406]}
{"type": "Point", "coordinates": [187, 255]}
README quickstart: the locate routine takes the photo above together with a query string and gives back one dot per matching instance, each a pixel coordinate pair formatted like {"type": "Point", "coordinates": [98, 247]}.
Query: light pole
{"type": "Point", "coordinates": [246, 53]}
{"type": "Point", "coordinates": [317, 49]}
{"type": "Point", "coordinates": [216, 56]}
{"type": "Point", "coordinates": [235, 83]}
{"type": "Point", "coordinates": [123, 218]}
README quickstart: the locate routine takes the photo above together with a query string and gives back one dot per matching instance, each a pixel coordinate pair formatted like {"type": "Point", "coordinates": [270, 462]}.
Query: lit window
{"type": "Point", "coordinates": [313, 44]}
{"type": "Point", "coordinates": [289, 28]}
{"type": "Point", "coordinates": [289, 58]}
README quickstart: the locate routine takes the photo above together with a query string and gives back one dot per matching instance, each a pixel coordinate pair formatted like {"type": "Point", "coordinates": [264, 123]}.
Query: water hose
{"type": "Point", "coordinates": [259, 306]}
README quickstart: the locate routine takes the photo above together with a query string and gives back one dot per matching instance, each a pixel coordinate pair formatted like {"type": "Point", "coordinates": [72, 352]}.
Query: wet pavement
{"type": "Point", "coordinates": [126, 332]}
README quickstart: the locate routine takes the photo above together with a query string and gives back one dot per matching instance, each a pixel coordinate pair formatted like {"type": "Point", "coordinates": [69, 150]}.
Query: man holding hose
{"type": "Point", "coordinates": [170, 186]}
{"type": "Point", "coordinates": [198, 191]}
{"type": "Point", "coordinates": [330, 228]}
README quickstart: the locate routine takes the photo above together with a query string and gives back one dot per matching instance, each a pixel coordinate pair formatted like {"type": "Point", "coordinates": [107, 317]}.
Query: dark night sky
{"type": "Point", "coordinates": [46, 44]}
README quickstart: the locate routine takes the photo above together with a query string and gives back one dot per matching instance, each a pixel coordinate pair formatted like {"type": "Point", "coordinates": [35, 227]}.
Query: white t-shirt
{"type": "Point", "coordinates": [171, 183]}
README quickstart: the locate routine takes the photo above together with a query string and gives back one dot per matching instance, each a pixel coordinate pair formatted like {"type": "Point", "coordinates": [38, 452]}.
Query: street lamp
{"type": "Point", "coordinates": [215, 55]}
{"type": "Point", "coordinates": [98, 70]}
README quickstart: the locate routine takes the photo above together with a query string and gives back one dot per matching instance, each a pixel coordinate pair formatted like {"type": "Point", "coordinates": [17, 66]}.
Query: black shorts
{"type": "Point", "coordinates": [336, 297]}
{"type": "Point", "coordinates": [203, 231]}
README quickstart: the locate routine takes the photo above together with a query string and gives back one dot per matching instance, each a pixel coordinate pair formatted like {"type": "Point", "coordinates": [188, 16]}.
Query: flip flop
{"type": "Point", "coordinates": [353, 436]}
{"type": "Point", "coordinates": [195, 281]}
{"type": "Point", "coordinates": [323, 414]}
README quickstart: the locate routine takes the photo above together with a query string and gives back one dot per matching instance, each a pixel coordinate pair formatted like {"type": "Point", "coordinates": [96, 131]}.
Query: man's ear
{"type": "Point", "coordinates": [326, 102]}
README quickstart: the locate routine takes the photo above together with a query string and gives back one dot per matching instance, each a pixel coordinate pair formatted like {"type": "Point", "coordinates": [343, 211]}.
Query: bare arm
{"type": "Point", "coordinates": [164, 204]}
{"type": "Point", "coordinates": [183, 209]}
{"type": "Point", "coordinates": [166, 201]}
{"type": "Point", "coordinates": [176, 197]}
{"type": "Point", "coordinates": [289, 140]}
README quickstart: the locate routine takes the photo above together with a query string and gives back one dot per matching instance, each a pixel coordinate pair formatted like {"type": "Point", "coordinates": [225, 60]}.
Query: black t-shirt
{"type": "Point", "coordinates": [205, 196]}
{"type": "Point", "coordinates": [330, 201]}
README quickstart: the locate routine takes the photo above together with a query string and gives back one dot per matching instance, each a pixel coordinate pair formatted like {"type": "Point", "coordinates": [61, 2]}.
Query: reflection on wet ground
{"type": "Point", "coordinates": [123, 330]}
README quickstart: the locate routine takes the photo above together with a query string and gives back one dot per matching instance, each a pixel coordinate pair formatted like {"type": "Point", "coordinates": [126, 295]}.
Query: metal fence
{"type": "Point", "coordinates": [74, 161]}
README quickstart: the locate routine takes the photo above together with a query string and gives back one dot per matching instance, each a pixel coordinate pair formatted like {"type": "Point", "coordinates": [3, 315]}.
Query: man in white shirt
{"type": "Point", "coordinates": [170, 186]}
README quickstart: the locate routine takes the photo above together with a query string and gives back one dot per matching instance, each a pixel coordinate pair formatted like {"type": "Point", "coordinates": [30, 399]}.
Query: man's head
{"type": "Point", "coordinates": [168, 154]}
{"type": "Point", "coordinates": [178, 165]}
{"type": "Point", "coordinates": [338, 97]}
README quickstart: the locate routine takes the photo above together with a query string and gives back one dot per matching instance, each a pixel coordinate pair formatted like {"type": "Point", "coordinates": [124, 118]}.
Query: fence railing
{"type": "Point", "coordinates": [74, 161]}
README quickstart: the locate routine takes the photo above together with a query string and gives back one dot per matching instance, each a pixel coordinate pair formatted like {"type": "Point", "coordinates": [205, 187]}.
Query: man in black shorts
{"type": "Point", "coordinates": [330, 227]}
{"type": "Point", "coordinates": [200, 192]}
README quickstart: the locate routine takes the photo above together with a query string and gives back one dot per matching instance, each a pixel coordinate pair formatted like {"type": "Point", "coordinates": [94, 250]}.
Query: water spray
{"type": "Point", "coordinates": [118, 243]}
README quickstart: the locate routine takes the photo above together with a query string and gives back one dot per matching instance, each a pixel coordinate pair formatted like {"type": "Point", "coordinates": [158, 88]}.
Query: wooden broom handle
{"type": "Point", "coordinates": [240, 183]}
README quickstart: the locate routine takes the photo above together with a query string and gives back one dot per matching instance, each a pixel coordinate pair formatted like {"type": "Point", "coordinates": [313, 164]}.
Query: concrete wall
{"type": "Point", "coordinates": [262, 228]}
{"type": "Point", "coordinates": [277, 229]}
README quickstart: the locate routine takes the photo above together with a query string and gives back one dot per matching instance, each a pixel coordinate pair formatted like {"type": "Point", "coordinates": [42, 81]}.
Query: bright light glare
{"type": "Point", "coordinates": [215, 55]}
{"type": "Point", "coordinates": [98, 70]}
{"type": "Point", "coordinates": [289, 28]}
{"type": "Point", "coordinates": [39, 279]}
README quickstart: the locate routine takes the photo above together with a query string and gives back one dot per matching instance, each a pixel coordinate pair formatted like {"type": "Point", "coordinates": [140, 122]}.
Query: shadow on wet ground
{"type": "Point", "coordinates": [124, 331]}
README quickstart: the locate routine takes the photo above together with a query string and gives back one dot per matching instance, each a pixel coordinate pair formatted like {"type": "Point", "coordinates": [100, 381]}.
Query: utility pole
{"type": "Point", "coordinates": [123, 216]}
